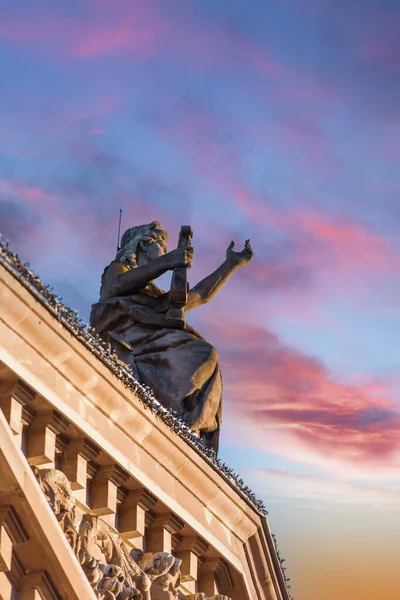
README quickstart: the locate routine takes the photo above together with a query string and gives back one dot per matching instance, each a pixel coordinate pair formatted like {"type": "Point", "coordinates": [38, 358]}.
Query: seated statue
{"type": "Point", "coordinates": [177, 364]}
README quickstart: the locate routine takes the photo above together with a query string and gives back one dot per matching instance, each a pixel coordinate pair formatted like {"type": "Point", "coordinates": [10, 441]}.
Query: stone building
{"type": "Point", "coordinates": [103, 493]}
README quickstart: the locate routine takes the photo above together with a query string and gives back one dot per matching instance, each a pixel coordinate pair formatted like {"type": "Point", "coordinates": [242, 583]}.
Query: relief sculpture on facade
{"type": "Point", "coordinates": [104, 557]}
{"type": "Point", "coordinates": [163, 571]}
{"type": "Point", "coordinates": [179, 365]}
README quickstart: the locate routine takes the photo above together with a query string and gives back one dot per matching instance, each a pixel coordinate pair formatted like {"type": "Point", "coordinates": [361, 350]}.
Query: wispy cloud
{"type": "Point", "coordinates": [273, 483]}
{"type": "Point", "coordinates": [292, 403]}
{"type": "Point", "coordinates": [27, 193]}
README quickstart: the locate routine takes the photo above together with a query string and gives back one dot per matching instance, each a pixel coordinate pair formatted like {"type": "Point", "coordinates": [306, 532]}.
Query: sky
{"type": "Point", "coordinates": [277, 121]}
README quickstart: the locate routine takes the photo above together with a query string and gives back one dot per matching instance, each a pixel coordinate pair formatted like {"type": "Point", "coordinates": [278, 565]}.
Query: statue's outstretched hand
{"type": "Point", "coordinates": [239, 258]}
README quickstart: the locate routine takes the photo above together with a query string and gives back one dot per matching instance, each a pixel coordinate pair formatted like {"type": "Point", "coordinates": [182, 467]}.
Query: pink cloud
{"type": "Point", "coordinates": [136, 29]}
{"type": "Point", "coordinates": [334, 244]}
{"type": "Point", "coordinates": [349, 243]}
{"type": "Point", "coordinates": [294, 406]}
{"type": "Point", "coordinates": [31, 194]}
{"type": "Point", "coordinates": [146, 30]}
{"type": "Point", "coordinates": [315, 248]}
{"type": "Point", "coordinates": [117, 27]}
{"type": "Point", "coordinates": [331, 244]}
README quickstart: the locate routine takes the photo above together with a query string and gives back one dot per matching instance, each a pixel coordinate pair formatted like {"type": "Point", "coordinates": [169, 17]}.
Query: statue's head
{"type": "Point", "coordinates": [142, 244]}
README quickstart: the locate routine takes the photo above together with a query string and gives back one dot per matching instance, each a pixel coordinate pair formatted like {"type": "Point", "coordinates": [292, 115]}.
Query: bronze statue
{"type": "Point", "coordinates": [177, 364]}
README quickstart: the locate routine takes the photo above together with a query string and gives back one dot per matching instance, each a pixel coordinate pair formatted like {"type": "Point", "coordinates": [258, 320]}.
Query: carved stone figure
{"type": "Point", "coordinates": [178, 364]}
{"type": "Point", "coordinates": [164, 573]}
{"type": "Point", "coordinates": [111, 570]}
{"type": "Point", "coordinates": [58, 492]}
{"type": "Point", "coordinates": [91, 567]}
{"type": "Point", "coordinates": [101, 542]}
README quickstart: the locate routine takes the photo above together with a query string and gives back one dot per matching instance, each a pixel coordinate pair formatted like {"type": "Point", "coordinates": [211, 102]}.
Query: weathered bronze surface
{"type": "Point", "coordinates": [178, 364]}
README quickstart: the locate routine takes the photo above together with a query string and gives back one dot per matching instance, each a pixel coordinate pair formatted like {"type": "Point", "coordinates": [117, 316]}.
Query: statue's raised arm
{"type": "Point", "coordinates": [209, 286]}
{"type": "Point", "coordinates": [178, 364]}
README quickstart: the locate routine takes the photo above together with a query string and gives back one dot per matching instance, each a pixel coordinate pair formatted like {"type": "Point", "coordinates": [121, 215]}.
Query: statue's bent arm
{"type": "Point", "coordinates": [128, 280]}
{"type": "Point", "coordinates": [133, 280]}
{"type": "Point", "coordinates": [208, 287]}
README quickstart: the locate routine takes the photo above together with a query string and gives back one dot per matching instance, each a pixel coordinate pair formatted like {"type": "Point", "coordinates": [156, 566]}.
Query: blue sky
{"type": "Point", "coordinates": [277, 122]}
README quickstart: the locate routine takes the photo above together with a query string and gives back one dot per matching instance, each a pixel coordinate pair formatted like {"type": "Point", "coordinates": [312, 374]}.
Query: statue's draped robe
{"type": "Point", "coordinates": [178, 365]}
